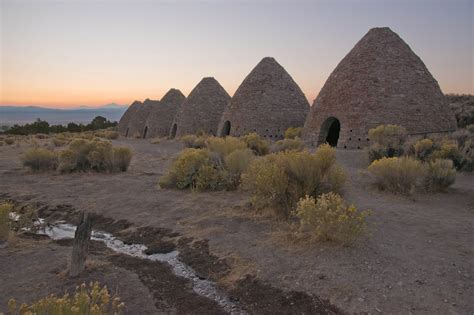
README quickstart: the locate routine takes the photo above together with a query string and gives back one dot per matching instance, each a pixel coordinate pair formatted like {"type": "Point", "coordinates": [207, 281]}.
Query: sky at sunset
{"type": "Point", "coordinates": [71, 53]}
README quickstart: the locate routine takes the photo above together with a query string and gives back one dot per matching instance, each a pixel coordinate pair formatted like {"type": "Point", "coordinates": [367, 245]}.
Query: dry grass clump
{"type": "Point", "coordinates": [293, 132]}
{"type": "Point", "coordinates": [9, 141]}
{"type": "Point", "coordinates": [40, 159]}
{"type": "Point", "coordinates": [279, 180]}
{"type": "Point", "coordinates": [329, 218]}
{"type": "Point", "coordinates": [41, 136]}
{"type": "Point", "coordinates": [387, 141]}
{"type": "Point", "coordinates": [256, 143]}
{"type": "Point", "coordinates": [5, 209]}
{"type": "Point", "coordinates": [87, 300]}
{"type": "Point", "coordinates": [289, 144]}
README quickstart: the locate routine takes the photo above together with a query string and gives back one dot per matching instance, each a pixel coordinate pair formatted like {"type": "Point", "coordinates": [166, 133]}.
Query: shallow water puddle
{"type": "Point", "coordinates": [201, 286]}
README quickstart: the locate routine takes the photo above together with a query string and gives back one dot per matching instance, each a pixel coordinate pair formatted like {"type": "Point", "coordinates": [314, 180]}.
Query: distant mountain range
{"type": "Point", "coordinates": [10, 115]}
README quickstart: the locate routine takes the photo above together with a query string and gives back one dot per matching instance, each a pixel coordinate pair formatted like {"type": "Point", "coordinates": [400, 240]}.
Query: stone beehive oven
{"type": "Point", "coordinates": [201, 110]}
{"type": "Point", "coordinates": [136, 124]}
{"type": "Point", "coordinates": [123, 125]}
{"type": "Point", "coordinates": [267, 102]}
{"type": "Point", "coordinates": [380, 81]}
{"type": "Point", "coordinates": [159, 120]}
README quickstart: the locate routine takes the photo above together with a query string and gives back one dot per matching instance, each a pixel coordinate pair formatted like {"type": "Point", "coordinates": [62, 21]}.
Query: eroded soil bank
{"type": "Point", "coordinates": [418, 258]}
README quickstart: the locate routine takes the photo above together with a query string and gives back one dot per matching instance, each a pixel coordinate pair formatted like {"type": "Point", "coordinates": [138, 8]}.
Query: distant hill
{"type": "Point", "coordinates": [10, 115]}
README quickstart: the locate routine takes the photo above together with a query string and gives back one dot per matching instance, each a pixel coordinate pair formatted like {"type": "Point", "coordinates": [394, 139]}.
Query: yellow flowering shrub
{"type": "Point", "coordinates": [330, 218]}
{"type": "Point", "coordinates": [87, 300]}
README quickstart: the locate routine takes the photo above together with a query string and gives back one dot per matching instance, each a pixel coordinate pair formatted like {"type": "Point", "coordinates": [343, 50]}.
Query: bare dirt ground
{"type": "Point", "coordinates": [419, 257]}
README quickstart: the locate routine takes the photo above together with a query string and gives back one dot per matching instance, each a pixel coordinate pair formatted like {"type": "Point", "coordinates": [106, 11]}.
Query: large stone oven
{"type": "Point", "coordinates": [380, 81]}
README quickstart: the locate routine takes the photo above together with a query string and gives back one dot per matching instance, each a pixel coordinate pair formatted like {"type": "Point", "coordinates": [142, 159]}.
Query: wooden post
{"type": "Point", "coordinates": [80, 247]}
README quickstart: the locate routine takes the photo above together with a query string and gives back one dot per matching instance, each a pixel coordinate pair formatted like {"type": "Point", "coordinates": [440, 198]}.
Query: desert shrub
{"type": "Point", "coordinates": [256, 143]}
{"type": "Point", "coordinates": [155, 141]}
{"type": "Point", "coordinates": [5, 209]}
{"type": "Point", "coordinates": [330, 218]}
{"type": "Point", "coordinates": [40, 159]}
{"type": "Point", "coordinates": [423, 149]}
{"type": "Point", "coordinates": [192, 141]}
{"type": "Point", "coordinates": [184, 170]}
{"type": "Point", "coordinates": [225, 146]}
{"type": "Point", "coordinates": [67, 161]}
{"type": "Point", "coordinates": [289, 144]}
{"type": "Point", "coordinates": [9, 141]}
{"type": "Point", "coordinates": [449, 150]}
{"type": "Point", "coordinates": [440, 175]}
{"type": "Point", "coordinates": [237, 163]}
{"type": "Point", "coordinates": [210, 177]}
{"type": "Point", "coordinates": [59, 142]}
{"type": "Point", "coordinates": [41, 136]}
{"type": "Point", "coordinates": [1, 143]}
{"type": "Point", "coordinates": [92, 299]}
{"type": "Point", "coordinates": [122, 157]}
{"type": "Point", "coordinates": [268, 184]}
{"type": "Point", "coordinates": [387, 141]}
{"type": "Point", "coordinates": [293, 132]}
{"type": "Point", "coordinates": [303, 174]}
{"type": "Point", "coordinates": [400, 175]}
{"type": "Point", "coordinates": [96, 155]}
{"type": "Point", "coordinates": [112, 135]}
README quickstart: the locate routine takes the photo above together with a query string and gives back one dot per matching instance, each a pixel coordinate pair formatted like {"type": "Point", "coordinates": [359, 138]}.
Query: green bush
{"type": "Point", "coordinates": [40, 159]}
{"type": "Point", "coordinates": [440, 175]}
{"type": "Point", "coordinates": [330, 218]}
{"type": "Point", "coordinates": [5, 209]}
{"type": "Point", "coordinates": [288, 145]}
{"type": "Point", "coordinates": [87, 300]}
{"type": "Point", "coordinates": [399, 175]}
{"type": "Point", "coordinates": [293, 132]}
{"type": "Point", "coordinates": [387, 141]}
{"type": "Point", "coordinates": [225, 146]}
{"type": "Point", "coordinates": [256, 143]}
